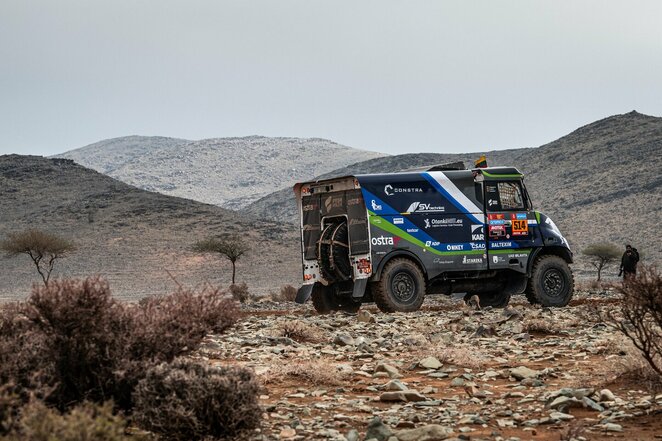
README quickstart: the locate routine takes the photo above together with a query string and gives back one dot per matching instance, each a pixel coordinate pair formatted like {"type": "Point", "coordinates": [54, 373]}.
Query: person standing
{"type": "Point", "coordinates": [629, 262]}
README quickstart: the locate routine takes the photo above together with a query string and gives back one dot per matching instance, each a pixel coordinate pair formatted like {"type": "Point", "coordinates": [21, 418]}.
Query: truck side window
{"type": "Point", "coordinates": [510, 196]}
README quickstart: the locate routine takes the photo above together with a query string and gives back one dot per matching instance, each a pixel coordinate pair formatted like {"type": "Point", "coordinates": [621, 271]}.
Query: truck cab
{"type": "Point", "coordinates": [394, 238]}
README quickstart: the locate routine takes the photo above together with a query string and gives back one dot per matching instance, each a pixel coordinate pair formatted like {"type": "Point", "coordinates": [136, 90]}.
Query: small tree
{"type": "Point", "coordinates": [232, 247]}
{"type": "Point", "coordinates": [43, 248]}
{"type": "Point", "coordinates": [601, 255]}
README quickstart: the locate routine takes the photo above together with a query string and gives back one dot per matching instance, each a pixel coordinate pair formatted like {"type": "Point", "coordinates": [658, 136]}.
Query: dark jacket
{"type": "Point", "coordinates": [629, 261]}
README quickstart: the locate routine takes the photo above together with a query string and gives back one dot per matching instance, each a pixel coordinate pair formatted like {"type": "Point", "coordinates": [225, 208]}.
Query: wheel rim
{"type": "Point", "coordinates": [403, 287]}
{"type": "Point", "coordinates": [553, 282]}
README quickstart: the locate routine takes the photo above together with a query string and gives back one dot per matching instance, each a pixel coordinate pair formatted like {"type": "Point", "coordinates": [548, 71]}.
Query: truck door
{"type": "Point", "coordinates": [509, 236]}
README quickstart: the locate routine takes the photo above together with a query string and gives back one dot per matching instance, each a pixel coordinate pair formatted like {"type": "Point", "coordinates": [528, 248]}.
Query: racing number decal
{"type": "Point", "coordinates": [520, 225]}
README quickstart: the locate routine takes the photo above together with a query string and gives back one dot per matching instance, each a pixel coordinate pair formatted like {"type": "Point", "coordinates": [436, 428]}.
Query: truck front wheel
{"type": "Point", "coordinates": [551, 282]}
{"type": "Point", "coordinates": [401, 287]}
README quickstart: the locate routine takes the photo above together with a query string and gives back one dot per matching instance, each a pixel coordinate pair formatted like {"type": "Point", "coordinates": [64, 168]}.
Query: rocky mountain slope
{"type": "Point", "coordinates": [229, 172]}
{"type": "Point", "coordinates": [600, 182]}
{"type": "Point", "coordinates": [132, 237]}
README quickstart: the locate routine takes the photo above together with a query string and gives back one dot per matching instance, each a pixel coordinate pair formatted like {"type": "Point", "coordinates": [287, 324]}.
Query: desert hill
{"type": "Point", "coordinates": [229, 172]}
{"type": "Point", "coordinates": [130, 236]}
{"type": "Point", "coordinates": [600, 182]}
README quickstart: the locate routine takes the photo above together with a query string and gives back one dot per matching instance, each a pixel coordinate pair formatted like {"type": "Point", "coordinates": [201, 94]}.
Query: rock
{"type": "Point", "coordinates": [287, 432]}
{"type": "Point", "coordinates": [404, 395]}
{"type": "Point", "coordinates": [457, 382]}
{"type": "Point", "coordinates": [391, 371]}
{"type": "Point", "coordinates": [414, 395]}
{"type": "Point", "coordinates": [607, 395]}
{"type": "Point", "coordinates": [432, 432]}
{"type": "Point", "coordinates": [365, 317]}
{"type": "Point", "coordinates": [484, 331]}
{"type": "Point", "coordinates": [343, 340]}
{"type": "Point", "coordinates": [393, 396]}
{"type": "Point", "coordinates": [592, 404]}
{"type": "Point", "coordinates": [395, 385]}
{"type": "Point", "coordinates": [430, 363]}
{"type": "Point", "coordinates": [561, 416]}
{"type": "Point", "coordinates": [378, 430]}
{"type": "Point", "coordinates": [612, 427]}
{"type": "Point", "coordinates": [523, 372]}
{"type": "Point", "coordinates": [352, 435]}
{"type": "Point", "coordinates": [562, 402]}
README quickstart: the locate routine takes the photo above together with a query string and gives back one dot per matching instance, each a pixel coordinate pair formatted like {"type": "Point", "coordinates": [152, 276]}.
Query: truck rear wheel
{"type": "Point", "coordinates": [326, 301]}
{"type": "Point", "coordinates": [551, 283]}
{"type": "Point", "coordinates": [401, 287]}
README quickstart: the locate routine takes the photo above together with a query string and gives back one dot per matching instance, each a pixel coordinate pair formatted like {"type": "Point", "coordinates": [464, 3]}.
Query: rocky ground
{"type": "Point", "coordinates": [446, 372]}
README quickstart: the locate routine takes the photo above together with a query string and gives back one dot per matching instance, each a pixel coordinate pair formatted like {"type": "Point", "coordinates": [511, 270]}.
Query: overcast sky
{"type": "Point", "coordinates": [391, 76]}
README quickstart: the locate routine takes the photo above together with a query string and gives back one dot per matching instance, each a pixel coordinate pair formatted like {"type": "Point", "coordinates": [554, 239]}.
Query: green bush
{"type": "Point", "coordinates": [188, 401]}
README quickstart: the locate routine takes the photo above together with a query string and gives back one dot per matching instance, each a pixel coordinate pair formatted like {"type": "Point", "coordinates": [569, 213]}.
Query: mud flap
{"type": "Point", "coordinates": [359, 288]}
{"type": "Point", "coordinates": [516, 284]}
{"type": "Point", "coordinates": [304, 293]}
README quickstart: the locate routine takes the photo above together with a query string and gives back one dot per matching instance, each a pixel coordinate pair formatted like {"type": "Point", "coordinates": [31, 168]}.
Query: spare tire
{"type": "Point", "coordinates": [333, 253]}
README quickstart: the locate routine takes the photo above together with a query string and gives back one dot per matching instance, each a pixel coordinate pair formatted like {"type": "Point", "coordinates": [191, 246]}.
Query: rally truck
{"type": "Point", "coordinates": [394, 238]}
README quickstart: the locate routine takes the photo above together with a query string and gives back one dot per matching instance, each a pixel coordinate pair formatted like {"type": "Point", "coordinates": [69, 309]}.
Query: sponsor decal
{"type": "Point", "coordinates": [507, 244]}
{"type": "Point", "coordinates": [308, 207]}
{"type": "Point", "coordinates": [446, 222]}
{"type": "Point", "coordinates": [471, 260]}
{"type": "Point", "coordinates": [412, 230]}
{"type": "Point", "coordinates": [355, 221]}
{"type": "Point", "coordinates": [455, 247]}
{"type": "Point", "coordinates": [497, 222]}
{"type": "Point", "coordinates": [496, 216]}
{"type": "Point", "coordinates": [518, 255]}
{"type": "Point", "coordinates": [354, 201]}
{"type": "Point", "coordinates": [390, 190]}
{"type": "Point", "coordinates": [419, 207]}
{"type": "Point", "coordinates": [519, 216]}
{"type": "Point", "coordinates": [440, 261]}
{"type": "Point", "coordinates": [496, 259]}
{"type": "Point", "coordinates": [431, 243]}
{"type": "Point", "coordinates": [477, 246]}
{"type": "Point", "coordinates": [492, 203]}
{"type": "Point", "coordinates": [398, 220]}
{"type": "Point", "coordinates": [497, 230]}
{"type": "Point", "coordinates": [477, 232]}
{"type": "Point", "coordinates": [375, 205]}
{"type": "Point", "coordinates": [383, 240]}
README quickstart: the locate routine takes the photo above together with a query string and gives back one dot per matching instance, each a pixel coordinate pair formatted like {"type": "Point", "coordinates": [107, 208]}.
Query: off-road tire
{"type": "Point", "coordinates": [495, 299]}
{"type": "Point", "coordinates": [401, 287]}
{"type": "Point", "coordinates": [323, 299]}
{"type": "Point", "coordinates": [528, 292]}
{"type": "Point", "coordinates": [333, 253]}
{"type": "Point", "coordinates": [552, 283]}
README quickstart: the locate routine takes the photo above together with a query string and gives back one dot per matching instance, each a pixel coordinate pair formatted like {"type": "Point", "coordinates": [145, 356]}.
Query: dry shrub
{"type": "Point", "coordinates": [462, 356]}
{"type": "Point", "coordinates": [90, 347]}
{"type": "Point", "coordinates": [10, 405]}
{"type": "Point", "coordinates": [240, 292]}
{"type": "Point", "coordinates": [315, 373]}
{"type": "Point", "coordinates": [188, 401]}
{"type": "Point", "coordinates": [639, 316]}
{"type": "Point", "coordinates": [85, 422]}
{"type": "Point", "coordinates": [300, 331]}
{"type": "Point", "coordinates": [21, 353]}
{"type": "Point", "coordinates": [539, 325]}
{"type": "Point", "coordinates": [287, 293]}
{"type": "Point", "coordinates": [588, 285]}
